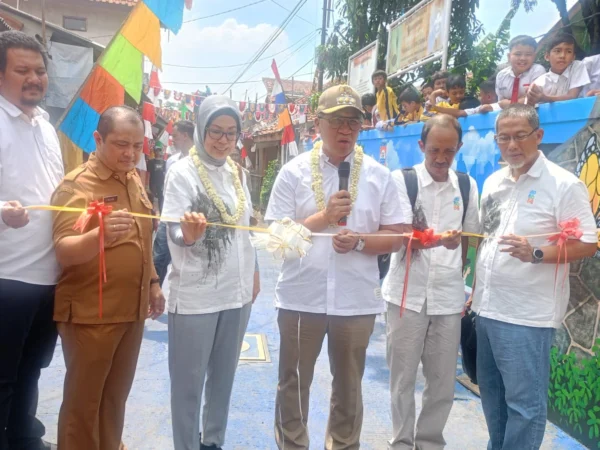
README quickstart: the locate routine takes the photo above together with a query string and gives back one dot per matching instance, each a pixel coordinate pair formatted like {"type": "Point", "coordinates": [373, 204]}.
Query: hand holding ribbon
{"type": "Point", "coordinates": [112, 226]}
{"type": "Point", "coordinates": [101, 210]}
{"type": "Point", "coordinates": [451, 239]}
{"type": "Point", "coordinates": [428, 238]}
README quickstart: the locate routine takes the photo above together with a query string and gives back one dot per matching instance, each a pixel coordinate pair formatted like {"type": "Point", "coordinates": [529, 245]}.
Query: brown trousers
{"type": "Point", "coordinates": [101, 362]}
{"type": "Point", "coordinates": [348, 338]}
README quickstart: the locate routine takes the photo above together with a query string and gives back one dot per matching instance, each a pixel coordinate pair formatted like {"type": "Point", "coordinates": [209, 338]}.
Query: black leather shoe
{"type": "Point", "coordinates": [209, 447]}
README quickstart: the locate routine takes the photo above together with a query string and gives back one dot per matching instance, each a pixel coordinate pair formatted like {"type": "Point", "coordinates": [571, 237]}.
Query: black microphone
{"type": "Point", "coordinates": [344, 174]}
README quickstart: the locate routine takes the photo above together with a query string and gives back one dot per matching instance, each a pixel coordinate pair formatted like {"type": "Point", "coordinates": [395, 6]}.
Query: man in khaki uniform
{"type": "Point", "coordinates": [101, 342]}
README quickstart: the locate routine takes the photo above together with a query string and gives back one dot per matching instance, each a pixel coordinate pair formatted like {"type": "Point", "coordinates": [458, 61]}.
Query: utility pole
{"type": "Point", "coordinates": [43, 24]}
{"type": "Point", "coordinates": [323, 37]}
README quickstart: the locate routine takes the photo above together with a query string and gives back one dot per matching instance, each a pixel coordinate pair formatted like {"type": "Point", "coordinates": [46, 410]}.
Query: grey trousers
{"type": "Point", "coordinates": [203, 346]}
{"type": "Point", "coordinates": [433, 340]}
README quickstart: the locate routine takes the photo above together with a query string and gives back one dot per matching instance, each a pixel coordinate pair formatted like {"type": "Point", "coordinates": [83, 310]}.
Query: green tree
{"type": "Point", "coordinates": [489, 52]}
{"type": "Point", "coordinates": [363, 21]}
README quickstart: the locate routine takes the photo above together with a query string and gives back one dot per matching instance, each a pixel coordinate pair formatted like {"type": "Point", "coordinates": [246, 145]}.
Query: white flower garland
{"type": "Point", "coordinates": [212, 193]}
{"type": "Point", "coordinates": [317, 177]}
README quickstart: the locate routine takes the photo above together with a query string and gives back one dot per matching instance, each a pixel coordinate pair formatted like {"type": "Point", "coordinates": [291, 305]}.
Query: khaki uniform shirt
{"type": "Point", "coordinates": [129, 265]}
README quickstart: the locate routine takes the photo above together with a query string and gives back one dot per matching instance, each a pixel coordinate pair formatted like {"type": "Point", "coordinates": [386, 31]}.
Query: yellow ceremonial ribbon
{"type": "Point", "coordinates": [255, 229]}
{"type": "Point", "coordinates": [143, 216]}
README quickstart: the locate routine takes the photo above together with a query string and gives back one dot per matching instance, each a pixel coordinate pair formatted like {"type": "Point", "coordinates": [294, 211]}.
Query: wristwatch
{"type": "Point", "coordinates": [360, 245]}
{"type": "Point", "coordinates": [538, 256]}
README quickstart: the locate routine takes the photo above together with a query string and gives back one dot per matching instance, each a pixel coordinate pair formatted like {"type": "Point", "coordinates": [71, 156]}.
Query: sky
{"type": "Point", "coordinates": [234, 38]}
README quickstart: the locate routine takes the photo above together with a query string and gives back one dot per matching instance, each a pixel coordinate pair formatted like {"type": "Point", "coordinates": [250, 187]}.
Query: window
{"type": "Point", "coordinates": [75, 23]}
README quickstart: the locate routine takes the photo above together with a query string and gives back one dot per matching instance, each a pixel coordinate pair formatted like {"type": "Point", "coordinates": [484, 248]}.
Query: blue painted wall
{"type": "Point", "coordinates": [479, 155]}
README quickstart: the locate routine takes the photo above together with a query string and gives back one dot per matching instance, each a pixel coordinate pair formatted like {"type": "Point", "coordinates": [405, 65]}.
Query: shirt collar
{"type": "Point", "coordinates": [426, 178]}
{"type": "Point", "coordinates": [535, 171]}
{"type": "Point", "coordinates": [225, 167]}
{"type": "Point", "coordinates": [554, 77]}
{"type": "Point", "coordinates": [324, 159]}
{"type": "Point", "coordinates": [102, 170]}
{"type": "Point", "coordinates": [15, 112]}
{"type": "Point", "coordinates": [511, 72]}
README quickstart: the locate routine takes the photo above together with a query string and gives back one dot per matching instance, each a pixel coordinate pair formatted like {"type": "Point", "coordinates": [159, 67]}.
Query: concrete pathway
{"type": "Point", "coordinates": [148, 423]}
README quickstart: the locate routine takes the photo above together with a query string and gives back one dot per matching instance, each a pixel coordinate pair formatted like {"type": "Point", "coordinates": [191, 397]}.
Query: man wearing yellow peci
{"type": "Point", "coordinates": [334, 290]}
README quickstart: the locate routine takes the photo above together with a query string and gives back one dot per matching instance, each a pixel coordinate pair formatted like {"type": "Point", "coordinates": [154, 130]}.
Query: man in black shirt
{"type": "Point", "coordinates": [157, 169]}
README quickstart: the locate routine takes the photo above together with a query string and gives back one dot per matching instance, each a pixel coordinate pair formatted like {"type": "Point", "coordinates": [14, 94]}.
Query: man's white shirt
{"type": "Point", "coordinates": [506, 78]}
{"type": "Point", "coordinates": [436, 273]}
{"type": "Point", "coordinates": [30, 169]}
{"type": "Point", "coordinates": [324, 281]}
{"type": "Point", "coordinates": [172, 160]}
{"type": "Point", "coordinates": [217, 272]}
{"type": "Point", "coordinates": [507, 289]}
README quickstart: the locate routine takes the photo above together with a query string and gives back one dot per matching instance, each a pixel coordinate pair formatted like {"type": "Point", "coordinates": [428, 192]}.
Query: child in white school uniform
{"type": "Point", "coordinates": [512, 82]}
{"type": "Point", "coordinates": [592, 64]}
{"type": "Point", "coordinates": [566, 77]}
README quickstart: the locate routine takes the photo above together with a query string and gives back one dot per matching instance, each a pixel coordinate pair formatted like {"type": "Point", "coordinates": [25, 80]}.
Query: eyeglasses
{"type": "Point", "coordinates": [504, 139]}
{"type": "Point", "coordinates": [218, 134]}
{"type": "Point", "coordinates": [338, 122]}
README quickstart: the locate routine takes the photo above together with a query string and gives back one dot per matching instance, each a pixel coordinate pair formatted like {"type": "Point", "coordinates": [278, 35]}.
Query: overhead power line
{"type": "Point", "coordinates": [221, 83]}
{"type": "Point", "coordinates": [281, 65]}
{"type": "Point", "coordinates": [282, 62]}
{"type": "Point", "coordinates": [225, 12]}
{"type": "Point", "coordinates": [288, 10]}
{"type": "Point", "coordinates": [308, 36]}
{"type": "Point", "coordinates": [309, 73]}
{"type": "Point", "coordinates": [269, 41]}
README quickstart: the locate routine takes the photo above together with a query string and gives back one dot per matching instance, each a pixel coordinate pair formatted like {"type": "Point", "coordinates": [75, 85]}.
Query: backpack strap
{"type": "Point", "coordinates": [412, 185]}
{"type": "Point", "coordinates": [464, 183]}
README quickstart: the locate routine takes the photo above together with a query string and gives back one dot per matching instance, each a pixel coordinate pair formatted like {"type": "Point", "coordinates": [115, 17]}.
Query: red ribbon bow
{"type": "Point", "coordinates": [428, 238]}
{"type": "Point", "coordinates": [568, 229]}
{"type": "Point", "coordinates": [99, 209]}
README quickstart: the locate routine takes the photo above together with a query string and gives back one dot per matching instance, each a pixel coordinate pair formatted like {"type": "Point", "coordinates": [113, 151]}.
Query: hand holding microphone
{"type": "Point", "coordinates": [340, 203]}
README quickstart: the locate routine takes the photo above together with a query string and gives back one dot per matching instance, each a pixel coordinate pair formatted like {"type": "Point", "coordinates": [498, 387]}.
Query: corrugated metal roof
{"type": "Point", "coordinates": [118, 2]}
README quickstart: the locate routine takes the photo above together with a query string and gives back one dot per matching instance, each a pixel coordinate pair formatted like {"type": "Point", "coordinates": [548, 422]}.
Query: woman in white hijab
{"type": "Point", "coordinates": [214, 279]}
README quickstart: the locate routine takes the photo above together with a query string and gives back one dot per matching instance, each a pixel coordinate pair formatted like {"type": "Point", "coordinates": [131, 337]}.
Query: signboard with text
{"type": "Point", "coordinates": [419, 36]}
{"type": "Point", "coordinates": [361, 66]}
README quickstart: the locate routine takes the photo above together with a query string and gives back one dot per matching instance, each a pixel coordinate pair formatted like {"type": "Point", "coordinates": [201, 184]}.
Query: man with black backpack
{"type": "Point", "coordinates": [446, 202]}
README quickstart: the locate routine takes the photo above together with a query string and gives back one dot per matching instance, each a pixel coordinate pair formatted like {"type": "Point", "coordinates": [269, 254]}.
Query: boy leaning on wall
{"type": "Point", "coordinates": [387, 104]}
{"type": "Point", "coordinates": [456, 87]}
{"type": "Point", "coordinates": [412, 106]}
{"type": "Point", "coordinates": [566, 77]}
{"type": "Point", "coordinates": [487, 98]}
{"type": "Point", "coordinates": [513, 81]}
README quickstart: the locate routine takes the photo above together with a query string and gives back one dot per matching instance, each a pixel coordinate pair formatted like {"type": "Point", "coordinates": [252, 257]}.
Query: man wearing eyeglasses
{"type": "Point", "coordinates": [518, 298]}
{"type": "Point", "coordinates": [334, 290]}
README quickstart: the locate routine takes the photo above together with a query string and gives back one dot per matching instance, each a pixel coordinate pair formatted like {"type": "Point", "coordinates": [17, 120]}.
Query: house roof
{"type": "Point", "coordinates": [10, 23]}
{"type": "Point", "coordinates": [577, 26]}
{"type": "Point", "coordinates": [5, 25]}
{"type": "Point", "coordinates": [301, 88]}
{"type": "Point", "coordinates": [14, 19]}
{"type": "Point", "coordinates": [118, 2]}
